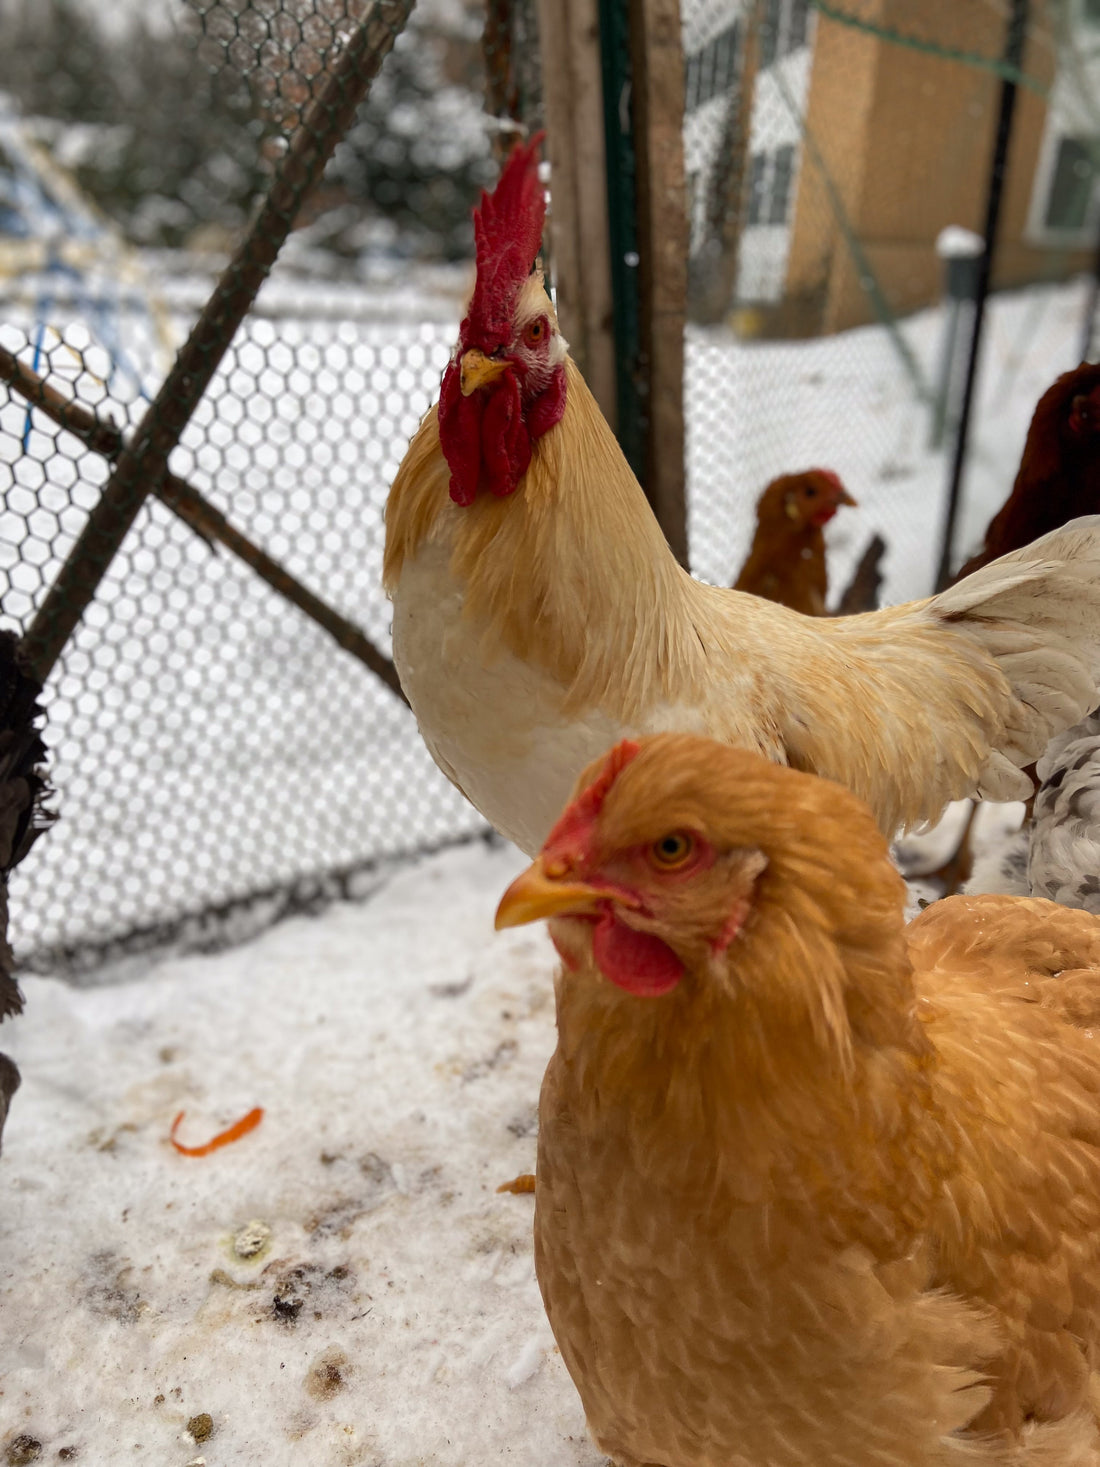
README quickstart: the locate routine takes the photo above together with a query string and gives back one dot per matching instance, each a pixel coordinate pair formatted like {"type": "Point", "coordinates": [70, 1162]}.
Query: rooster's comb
{"type": "Point", "coordinates": [507, 232]}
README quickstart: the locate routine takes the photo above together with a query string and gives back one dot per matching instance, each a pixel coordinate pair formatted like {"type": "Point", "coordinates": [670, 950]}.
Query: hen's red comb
{"type": "Point", "coordinates": [570, 836]}
{"type": "Point", "coordinates": [508, 233]}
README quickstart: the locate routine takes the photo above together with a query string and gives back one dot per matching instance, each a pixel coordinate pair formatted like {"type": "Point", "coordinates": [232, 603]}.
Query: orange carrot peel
{"type": "Point", "coordinates": [223, 1138]}
{"type": "Point", "coordinates": [525, 1182]}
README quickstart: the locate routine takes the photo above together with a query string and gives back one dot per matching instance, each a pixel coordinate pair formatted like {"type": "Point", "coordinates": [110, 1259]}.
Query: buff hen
{"type": "Point", "coordinates": [813, 1190]}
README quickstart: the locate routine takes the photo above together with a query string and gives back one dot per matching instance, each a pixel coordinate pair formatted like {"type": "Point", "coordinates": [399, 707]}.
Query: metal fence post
{"type": "Point", "coordinates": [643, 76]}
{"type": "Point", "coordinates": [1015, 37]}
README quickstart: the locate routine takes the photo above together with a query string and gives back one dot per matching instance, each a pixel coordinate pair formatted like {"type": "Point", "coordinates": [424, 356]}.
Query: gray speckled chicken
{"type": "Point", "coordinates": [1064, 847]}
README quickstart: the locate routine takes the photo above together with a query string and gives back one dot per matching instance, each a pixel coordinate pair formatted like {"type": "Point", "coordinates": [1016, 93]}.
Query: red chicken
{"type": "Point", "coordinates": [1059, 475]}
{"type": "Point", "coordinates": [786, 561]}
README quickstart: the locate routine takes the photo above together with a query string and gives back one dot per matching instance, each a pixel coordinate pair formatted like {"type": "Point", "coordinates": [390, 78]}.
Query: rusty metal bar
{"type": "Point", "coordinates": [143, 461]}
{"type": "Point", "coordinates": [198, 514]}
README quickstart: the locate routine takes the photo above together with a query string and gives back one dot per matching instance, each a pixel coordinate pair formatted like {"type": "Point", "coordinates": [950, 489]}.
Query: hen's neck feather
{"type": "Point", "coordinates": [803, 1059]}
{"type": "Point", "coordinates": [546, 565]}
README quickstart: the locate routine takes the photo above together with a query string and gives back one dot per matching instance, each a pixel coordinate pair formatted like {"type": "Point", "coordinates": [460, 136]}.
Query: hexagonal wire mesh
{"type": "Point", "coordinates": [210, 741]}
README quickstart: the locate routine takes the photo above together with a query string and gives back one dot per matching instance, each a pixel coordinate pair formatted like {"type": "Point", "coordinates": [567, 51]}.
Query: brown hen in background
{"type": "Point", "coordinates": [786, 561]}
{"type": "Point", "coordinates": [1059, 475]}
{"type": "Point", "coordinates": [813, 1189]}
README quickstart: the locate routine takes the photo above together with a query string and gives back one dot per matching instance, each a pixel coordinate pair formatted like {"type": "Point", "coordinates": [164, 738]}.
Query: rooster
{"type": "Point", "coordinates": [813, 1189]}
{"type": "Point", "coordinates": [1059, 474]}
{"type": "Point", "coordinates": [786, 561]}
{"type": "Point", "coordinates": [22, 817]}
{"type": "Point", "coordinates": [539, 615]}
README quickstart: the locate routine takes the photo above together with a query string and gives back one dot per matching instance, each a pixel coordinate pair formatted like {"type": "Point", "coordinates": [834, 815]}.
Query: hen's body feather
{"type": "Point", "coordinates": [1064, 839]}
{"type": "Point", "coordinates": [835, 1201]}
{"type": "Point", "coordinates": [532, 630]}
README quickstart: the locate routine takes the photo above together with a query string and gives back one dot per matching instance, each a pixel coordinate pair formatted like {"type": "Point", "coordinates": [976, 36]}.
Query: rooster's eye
{"type": "Point", "coordinates": [535, 332]}
{"type": "Point", "coordinates": [672, 850]}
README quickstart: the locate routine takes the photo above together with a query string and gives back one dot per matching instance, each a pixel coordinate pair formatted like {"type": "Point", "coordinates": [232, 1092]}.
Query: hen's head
{"type": "Point", "coordinates": [505, 385]}
{"type": "Point", "coordinates": [684, 864]}
{"type": "Point", "coordinates": [809, 498]}
{"type": "Point", "coordinates": [1083, 419]}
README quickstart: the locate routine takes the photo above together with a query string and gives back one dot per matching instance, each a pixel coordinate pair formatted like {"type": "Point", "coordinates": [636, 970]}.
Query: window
{"type": "Point", "coordinates": [757, 171]}
{"type": "Point", "coordinates": [1076, 170]}
{"type": "Point", "coordinates": [713, 69]}
{"type": "Point", "coordinates": [783, 28]}
{"type": "Point", "coordinates": [769, 32]}
{"type": "Point", "coordinates": [797, 24]}
{"type": "Point", "coordinates": [782, 174]}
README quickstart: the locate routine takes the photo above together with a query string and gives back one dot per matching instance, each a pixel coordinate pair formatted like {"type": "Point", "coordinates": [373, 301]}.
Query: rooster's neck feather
{"type": "Point", "coordinates": [544, 566]}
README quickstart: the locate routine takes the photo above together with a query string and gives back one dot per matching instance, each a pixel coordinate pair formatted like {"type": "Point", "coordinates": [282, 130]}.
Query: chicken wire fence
{"type": "Point", "coordinates": [836, 151]}
{"type": "Point", "coordinates": [219, 756]}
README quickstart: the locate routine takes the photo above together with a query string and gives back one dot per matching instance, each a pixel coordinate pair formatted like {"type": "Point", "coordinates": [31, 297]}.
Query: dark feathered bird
{"type": "Point", "coordinates": [1059, 474]}
{"type": "Point", "coordinates": [786, 561]}
{"type": "Point", "coordinates": [22, 817]}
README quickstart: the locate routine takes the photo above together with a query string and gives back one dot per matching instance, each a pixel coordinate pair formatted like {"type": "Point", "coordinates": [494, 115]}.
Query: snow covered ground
{"type": "Point", "coordinates": [391, 1316]}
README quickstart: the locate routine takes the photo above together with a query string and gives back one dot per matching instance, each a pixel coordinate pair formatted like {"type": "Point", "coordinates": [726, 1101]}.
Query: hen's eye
{"type": "Point", "coordinates": [672, 850]}
{"type": "Point", "coordinates": [535, 332]}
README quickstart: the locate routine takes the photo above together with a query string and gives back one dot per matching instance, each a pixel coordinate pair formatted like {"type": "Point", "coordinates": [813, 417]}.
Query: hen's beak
{"type": "Point", "coordinates": [535, 895]}
{"type": "Point", "coordinates": [845, 498]}
{"type": "Point", "coordinates": [475, 369]}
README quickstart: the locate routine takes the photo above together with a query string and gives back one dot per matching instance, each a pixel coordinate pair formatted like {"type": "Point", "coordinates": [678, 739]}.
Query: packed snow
{"type": "Point", "coordinates": [341, 1285]}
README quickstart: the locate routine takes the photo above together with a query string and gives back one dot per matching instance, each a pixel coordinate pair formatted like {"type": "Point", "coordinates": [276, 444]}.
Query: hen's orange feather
{"type": "Point", "coordinates": [835, 1199]}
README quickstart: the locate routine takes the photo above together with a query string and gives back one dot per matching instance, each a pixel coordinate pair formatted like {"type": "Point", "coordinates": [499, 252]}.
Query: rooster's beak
{"type": "Point", "coordinates": [475, 369]}
{"type": "Point", "coordinates": [535, 895]}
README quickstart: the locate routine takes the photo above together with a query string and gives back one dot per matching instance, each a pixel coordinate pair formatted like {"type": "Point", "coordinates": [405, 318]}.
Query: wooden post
{"type": "Point", "coordinates": [572, 87]}
{"type": "Point", "coordinates": [657, 103]}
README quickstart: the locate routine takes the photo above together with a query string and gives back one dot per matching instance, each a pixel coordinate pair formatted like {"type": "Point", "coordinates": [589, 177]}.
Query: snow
{"type": "Point", "coordinates": [955, 242]}
{"type": "Point", "coordinates": [397, 1048]}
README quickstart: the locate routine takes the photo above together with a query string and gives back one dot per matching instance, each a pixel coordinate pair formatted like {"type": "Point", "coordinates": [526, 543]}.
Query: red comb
{"type": "Point", "coordinates": [829, 477]}
{"type": "Point", "coordinates": [569, 836]}
{"type": "Point", "coordinates": [508, 233]}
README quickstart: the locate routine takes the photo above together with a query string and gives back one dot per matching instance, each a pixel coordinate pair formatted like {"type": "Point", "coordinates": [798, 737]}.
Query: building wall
{"type": "Point", "coordinates": [906, 139]}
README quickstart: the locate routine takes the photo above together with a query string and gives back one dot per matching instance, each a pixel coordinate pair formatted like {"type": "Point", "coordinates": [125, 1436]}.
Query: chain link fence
{"type": "Point", "coordinates": [222, 753]}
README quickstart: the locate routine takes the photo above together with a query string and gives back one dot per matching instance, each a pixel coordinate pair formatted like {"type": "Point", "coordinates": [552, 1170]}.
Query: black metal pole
{"type": "Point", "coordinates": [1088, 328]}
{"type": "Point", "coordinates": [1015, 37]}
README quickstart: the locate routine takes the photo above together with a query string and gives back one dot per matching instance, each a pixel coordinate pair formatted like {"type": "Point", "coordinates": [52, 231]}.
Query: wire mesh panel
{"type": "Point", "coordinates": [211, 745]}
{"type": "Point", "coordinates": [182, 451]}
{"type": "Point", "coordinates": [829, 147]}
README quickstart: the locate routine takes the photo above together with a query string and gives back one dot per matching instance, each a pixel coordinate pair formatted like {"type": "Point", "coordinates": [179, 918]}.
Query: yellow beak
{"type": "Point", "coordinates": [475, 369]}
{"type": "Point", "coordinates": [535, 895]}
